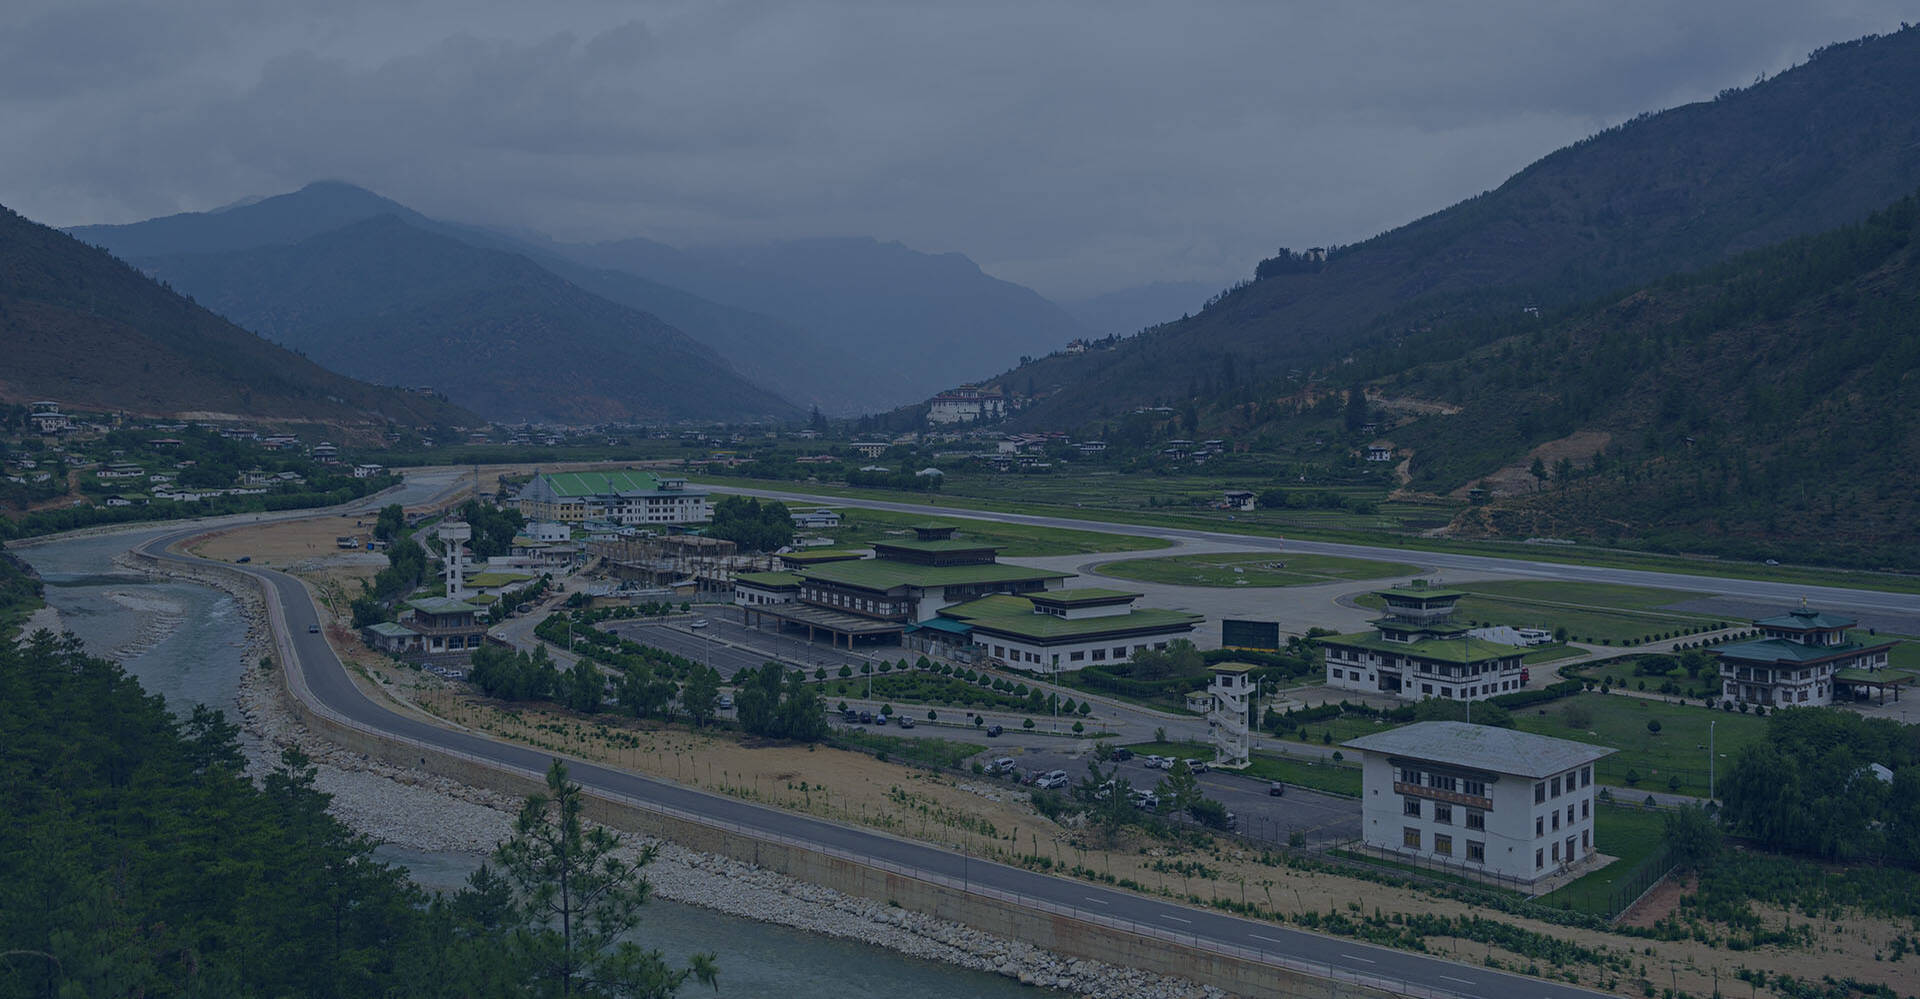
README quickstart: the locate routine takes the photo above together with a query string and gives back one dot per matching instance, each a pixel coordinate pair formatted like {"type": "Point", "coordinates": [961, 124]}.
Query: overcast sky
{"type": "Point", "coordinates": [1075, 147]}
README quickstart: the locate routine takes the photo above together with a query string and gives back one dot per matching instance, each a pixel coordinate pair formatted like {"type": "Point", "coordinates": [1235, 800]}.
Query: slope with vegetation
{"type": "Point", "coordinates": [89, 331]}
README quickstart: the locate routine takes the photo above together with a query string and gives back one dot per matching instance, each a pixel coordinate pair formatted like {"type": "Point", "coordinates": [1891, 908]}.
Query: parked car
{"type": "Point", "coordinates": [849, 716]}
{"type": "Point", "coordinates": [993, 731]}
{"type": "Point", "coordinates": [1198, 766]}
{"type": "Point", "coordinates": [1146, 801]}
{"type": "Point", "coordinates": [866, 717]}
{"type": "Point", "coordinates": [880, 719]}
{"type": "Point", "coordinates": [244, 559]}
{"type": "Point", "coordinates": [313, 629]}
{"type": "Point", "coordinates": [1232, 822]}
{"type": "Point", "coordinates": [1276, 788]}
{"type": "Point", "coordinates": [1052, 780]}
{"type": "Point", "coordinates": [1001, 765]}
{"type": "Point", "coordinates": [906, 722]}
{"type": "Point", "coordinates": [698, 624]}
{"type": "Point", "coordinates": [1157, 762]}
{"type": "Point", "coordinates": [1122, 754]}
{"type": "Point", "coordinates": [724, 700]}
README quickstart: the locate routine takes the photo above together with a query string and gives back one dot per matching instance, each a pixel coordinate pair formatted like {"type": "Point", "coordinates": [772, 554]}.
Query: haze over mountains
{"type": "Point", "coordinates": [1815, 147]}
{"type": "Point", "coordinates": [85, 329]}
{"type": "Point", "coordinates": [845, 324]}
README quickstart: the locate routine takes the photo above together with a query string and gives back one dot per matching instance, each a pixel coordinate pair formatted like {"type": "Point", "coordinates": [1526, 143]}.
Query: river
{"type": "Point", "coordinates": [186, 643]}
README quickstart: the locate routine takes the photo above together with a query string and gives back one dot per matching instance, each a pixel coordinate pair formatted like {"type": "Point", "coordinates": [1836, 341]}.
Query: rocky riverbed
{"type": "Point", "coordinates": [425, 812]}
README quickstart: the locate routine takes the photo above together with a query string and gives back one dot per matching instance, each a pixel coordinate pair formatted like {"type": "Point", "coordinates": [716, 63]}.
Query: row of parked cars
{"type": "Point", "coordinates": [852, 717]}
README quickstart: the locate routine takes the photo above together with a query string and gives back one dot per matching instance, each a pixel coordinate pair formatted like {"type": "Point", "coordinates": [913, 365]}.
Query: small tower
{"type": "Point", "coordinates": [1233, 691]}
{"type": "Point", "coordinates": [455, 534]}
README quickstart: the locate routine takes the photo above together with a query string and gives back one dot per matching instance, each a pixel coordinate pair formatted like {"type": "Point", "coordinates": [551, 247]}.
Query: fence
{"type": "Point", "coordinates": [1630, 886]}
{"type": "Point", "coordinates": [1414, 865]}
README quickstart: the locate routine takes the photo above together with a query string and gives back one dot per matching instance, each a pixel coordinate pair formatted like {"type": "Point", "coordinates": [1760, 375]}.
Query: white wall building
{"type": "Point", "coordinates": [1495, 800]}
{"type": "Point", "coordinates": [1233, 691]}
{"type": "Point", "coordinates": [967, 404]}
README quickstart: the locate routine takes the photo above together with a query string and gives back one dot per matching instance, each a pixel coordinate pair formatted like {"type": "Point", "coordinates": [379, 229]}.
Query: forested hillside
{"type": "Point", "coordinates": [85, 329]}
{"type": "Point", "coordinates": [1815, 147]}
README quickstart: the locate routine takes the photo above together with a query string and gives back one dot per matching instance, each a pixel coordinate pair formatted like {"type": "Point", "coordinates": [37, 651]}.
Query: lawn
{"type": "Point", "coordinates": [930, 688]}
{"type": "Point", "coordinates": [1590, 612]}
{"type": "Point", "coordinates": [1333, 778]}
{"type": "Point", "coordinates": [1254, 569]}
{"type": "Point", "coordinates": [932, 752]}
{"type": "Point", "coordinates": [1550, 653]}
{"type": "Point", "coordinates": [1335, 731]}
{"type": "Point", "coordinates": [1629, 833]}
{"type": "Point", "coordinates": [859, 528]}
{"type": "Point", "coordinates": [1621, 672]}
{"type": "Point", "coordinates": [1679, 749]}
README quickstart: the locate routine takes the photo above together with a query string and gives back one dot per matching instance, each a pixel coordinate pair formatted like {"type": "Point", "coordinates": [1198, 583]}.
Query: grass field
{"type": "Point", "coordinates": [1621, 672]}
{"type": "Point", "coordinates": [1333, 778]}
{"type": "Point", "coordinates": [1253, 569]}
{"type": "Point", "coordinates": [1551, 653]}
{"type": "Point", "coordinates": [926, 689]}
{"type": "Point", "coordinates": [1628, 833]}
{"type": "Point", "coordinates": [859, 528]}
{"type": "Point", "coordinates": [1679, 749]}
{"type": "Point", "coordinates": [1590, 612]}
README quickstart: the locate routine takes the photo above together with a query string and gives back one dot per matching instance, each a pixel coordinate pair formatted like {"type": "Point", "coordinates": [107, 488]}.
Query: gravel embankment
{"type": "Point", "coordinates": [425, 812]}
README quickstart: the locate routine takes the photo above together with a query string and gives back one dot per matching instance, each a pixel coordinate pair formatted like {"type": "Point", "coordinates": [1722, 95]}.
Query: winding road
{"type": "Point", "coordinates": [317, 675]}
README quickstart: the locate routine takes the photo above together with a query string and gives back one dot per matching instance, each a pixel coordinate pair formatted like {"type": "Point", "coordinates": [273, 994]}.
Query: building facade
{"type": "Point", "coordinates": [1495, 800]}
{"type": "Point", "coordinates": [967, 404]}
{"type": "Point", "coordinates": [1799, 660]}
{"type": "Point", "coordinates": [1417, 651]}
{"type": "Point", "coordinates": [624, 498]}
{"type": "Point", "coordinates": [1067, 629]}
{"type": "Point", "coordinates": [1229, 717]}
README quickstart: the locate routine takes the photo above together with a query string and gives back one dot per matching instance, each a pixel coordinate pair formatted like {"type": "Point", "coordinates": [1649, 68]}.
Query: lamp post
{"type": "Point", "coordinates": [1710, 724]}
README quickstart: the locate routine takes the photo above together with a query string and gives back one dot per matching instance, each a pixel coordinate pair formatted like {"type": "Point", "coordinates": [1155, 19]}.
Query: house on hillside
{"type": "Point", "coordinates": [1237, 499]}
{"type": "Point", "coordinates": [1380, 451]}
{"type": "Point", "coordinates": [967, 404]}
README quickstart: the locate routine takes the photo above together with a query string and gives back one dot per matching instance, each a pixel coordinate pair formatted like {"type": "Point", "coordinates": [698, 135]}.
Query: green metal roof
{"type": "Point", "coordinates": [442, 605]}
{"type": "Point", "coordinates": [945, 624]}
{"type": "Point", "coordinates": [1083, 595]}
{"type": "Point", "coordinates": [1432, 650]}
{"type": "Point", "coordinates": [768, 579]}
{"type": "Point", "coordinates": [391, 629]}
{"type": "Point", "coordinates": [883, 574]}
{"type": "Point", "coordinates": [1805, 620]}
{"type": "Point", "coordinates": [1420, 594]}
{"type": "Point", "coordinates": [1008, 615]}
{"type": "Point", "coordinates": [575, 484]}
{"type": "Point", "coordinates": [1779, 650]}
{"type": "Point", "coordinates": [950, 545]}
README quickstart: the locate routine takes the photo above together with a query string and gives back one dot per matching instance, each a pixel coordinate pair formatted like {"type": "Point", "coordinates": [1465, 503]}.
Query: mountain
{"type": "Point", "coordinates": [917, 322]}
{"type": "Point", "coordinates": [1131, 310]}
{"type": "Point", "coordinates": [383, 298]}
{"type": "Point", "coordinates": [1764, 407]}
{"type": "Point", "coordinates": [1815, 147]}
{"type": "Point", "coordinates": [85, 329]}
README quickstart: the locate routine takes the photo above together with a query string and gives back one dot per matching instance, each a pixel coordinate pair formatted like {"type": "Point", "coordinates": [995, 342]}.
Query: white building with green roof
{"type": "Point", "coordinates": [1418, 651]}
{"type": "Point", "coordinates": [1068, 629]}
{"type": "Point", "coordinates": [1799, 660]}
{"type": "Point", "coordinates": [626, 497]}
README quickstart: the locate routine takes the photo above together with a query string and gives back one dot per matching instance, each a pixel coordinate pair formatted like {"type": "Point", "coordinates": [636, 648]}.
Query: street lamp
{"type": "Point", "coordinates": [1710, 724]}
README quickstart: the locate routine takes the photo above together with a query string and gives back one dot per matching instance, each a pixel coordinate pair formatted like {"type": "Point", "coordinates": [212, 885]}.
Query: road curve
{"type": "Point", "coordinates": [1836, 597]}
{"type": "Point", "coordinates": [319, 675]}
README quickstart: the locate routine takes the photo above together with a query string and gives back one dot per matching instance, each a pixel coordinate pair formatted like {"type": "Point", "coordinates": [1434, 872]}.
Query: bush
{"type": "Point", "coordinates": [1027, 723]}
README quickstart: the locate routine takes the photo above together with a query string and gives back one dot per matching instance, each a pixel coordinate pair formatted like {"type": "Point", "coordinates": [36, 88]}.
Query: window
{"type": "Point", "coordinates": [1443, 813]}
{"type": "Point", "coordinates": [1445, 783]}
{"type": "Point", "coordinates": [1410, 838]}
{"type": "Point", "coordinates": [1099, 655]}
{"type": "Point", "coordinates": [1539, 792]}
{"type": "Point", "coordinates": [1555, 793]}
{"type": "Point", "coordinates": [1477, 788]}
{"type": "Point", "coordinates": [1120, 652]}
{"type": "Point", "coordinates": [1409, 775]}
{"type": "Point", "coordinates": [1076, 657]}
{"type": "Point", "coordinates": [1556, 853]}
{"type": "Point", "coordinates": [1586, 840]}
{"type": "Point", "coordinates": [1476, 819]}
{"type": "Point", "coordinates": [1539, 826]}
{"type": "Point", "coordinates": [1536, 860]}
{"type": "Point", "coordinates": [1443, 845]}
{"type": "Point", "coordinates": [1569, 814]}
{"type": "Point", "coordinates": [1476, 851]}
{"type": "Point", "coordinates": [1410, 806]}
{"type": "Point", "coordinates": [1586, 776]}
{"type": "Point", "coordinates": [1586, 807]}
{"type": "Point", "coordinates": [1556, 818]}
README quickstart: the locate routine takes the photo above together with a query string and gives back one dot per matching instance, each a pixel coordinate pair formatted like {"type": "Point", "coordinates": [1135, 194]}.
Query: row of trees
{"type": "Point", "coordinates": [1810, 787]}
{"type": "Point", "coordinates": [136, 857]}
{"type": "Point", "coordinates": [754, 526]}
{"type": "Point", "coordinates": [779, 704]}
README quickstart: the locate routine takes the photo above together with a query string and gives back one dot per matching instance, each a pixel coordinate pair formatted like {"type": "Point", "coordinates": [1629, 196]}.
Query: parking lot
{"type": "Point", "coordinates": [731, 646]}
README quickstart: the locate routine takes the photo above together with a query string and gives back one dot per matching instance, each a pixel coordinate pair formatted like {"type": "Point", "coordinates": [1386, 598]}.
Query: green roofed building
{"type": "Point", "coordinates": [1803, 658]}
{"type": "Point", "coordinates": [1067, 629]}
{"type": "Point", "coordinates": [1418, 651]}
{"type": "Point", "coordinates": [627, 497]}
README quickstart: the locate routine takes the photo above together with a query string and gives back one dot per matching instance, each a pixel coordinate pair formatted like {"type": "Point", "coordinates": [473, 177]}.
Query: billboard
{"type": "Point", "coordinates": [1249, 634]}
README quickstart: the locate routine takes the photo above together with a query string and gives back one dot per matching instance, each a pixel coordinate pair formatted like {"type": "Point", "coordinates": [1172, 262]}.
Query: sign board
{"type": "Point", "coordinates": [1249, 634]}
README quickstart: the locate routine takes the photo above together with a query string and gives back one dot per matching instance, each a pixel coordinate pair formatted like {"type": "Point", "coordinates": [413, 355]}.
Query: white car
{"type": "Point", "coordinates": [1158, 763]}
{"type": "Point", "coordinates": [698, 624]}
{"type": "Point", "coordinates": [1055, 779]}
{"type": "Point", "coordinates": [1146, 801]}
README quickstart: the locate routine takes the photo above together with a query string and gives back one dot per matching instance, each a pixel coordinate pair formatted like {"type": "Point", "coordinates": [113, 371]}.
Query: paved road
{"type": "Point", "coordinates": [1413, 974]}
{"type": "Point", "coordinates": [1870, 605]}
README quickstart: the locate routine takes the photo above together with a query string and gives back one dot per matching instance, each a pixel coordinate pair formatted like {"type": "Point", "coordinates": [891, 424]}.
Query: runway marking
{"type": "Point", "coordinates": [1462, 981]}
{"type": "Point", "coordinates": [1176, 919]}
{"type": "Point", "coordinates": [1362, 960]}
{"type": "Point", "coordinates": [1257, 936]}
{"type": "Point", "coordinates": [1096, 901]}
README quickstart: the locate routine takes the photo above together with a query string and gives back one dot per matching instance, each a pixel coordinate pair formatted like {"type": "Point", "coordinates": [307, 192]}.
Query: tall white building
{"type": "Point", "coordinates": [628, 498]}
{"type": "Point", "coordinates": [967, 404]}
{"type": "Point", "coordinates": [1493, 799]}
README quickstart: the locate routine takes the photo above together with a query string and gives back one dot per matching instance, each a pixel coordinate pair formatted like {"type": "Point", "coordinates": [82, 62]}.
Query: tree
{"type": "Point", "coordinates": [392, 520]}
{"type": "Point", "coordinates": [700, 695]}
{"type": "Point", "coordinates": [574, 898]}
{"type": "Point", "coordinates": [1653, 726]}
{"type": "Point", "coordinates": [1356, 413]}
{"type": "Point", "coordinates": [1179, 788]}
{"type": "Point", "coordinates": [584, 688]}
{"type": "Point", "coordinates": [1693, 836]}
{"type": "Point", "coordinates": [1539, 471]}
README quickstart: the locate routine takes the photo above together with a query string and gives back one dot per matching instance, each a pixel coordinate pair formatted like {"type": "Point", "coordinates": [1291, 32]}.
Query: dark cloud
{"type": "Point", "coordinates": [1078, 147]}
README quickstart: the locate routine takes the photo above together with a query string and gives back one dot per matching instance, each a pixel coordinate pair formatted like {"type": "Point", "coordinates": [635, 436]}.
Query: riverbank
{"type": "Point", "coordinates": [423, 812]}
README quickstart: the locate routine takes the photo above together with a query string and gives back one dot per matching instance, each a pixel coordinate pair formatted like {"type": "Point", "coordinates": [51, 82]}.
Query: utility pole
{"type": "Point", "coordinates": [1710, 724]}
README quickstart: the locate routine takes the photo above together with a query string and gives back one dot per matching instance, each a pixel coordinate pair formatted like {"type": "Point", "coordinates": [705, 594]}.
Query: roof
{"type": "Point", "coordinates": [1431, 649]}
{"type": "Point", "coordinates": [883, 574]}
{"type": "Point", "coordinates": [819, 555]}
{"type": "Point", "coordinates": [625, 482]}
{"type": "Point", "coordinates": [391, 629]}
{"type": "Point", "coordinates": [1232, 667]}
{"type": "Point", "coordinates": [947, 545]}
{"type": "Point", "coordinates": [1420, 593]}
{"type": "Point", "coordinates": [441, 605]}
{"type": "Point", "coordinates": [1008, 615]}
{"type": "Point", "coordinates": [1806, 620]}
{"type": "Point", "coordinates": [769, 579]}
{"type": "Point", "coordinates": [1083, 595]}
{"type": "Point", "coordinates": [1779, 650]}
{"type": "Point", "coordinates": [945, 624]}
{"type": "Point", "coordinates": [497, 578]}
{"type": "Point", "coordinates": [1482, 747]}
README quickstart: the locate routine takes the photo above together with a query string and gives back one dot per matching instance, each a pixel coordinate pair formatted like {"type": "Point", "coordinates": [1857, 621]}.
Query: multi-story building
{"type": "Point", "coordinates": [1418, 651]}
{"type": "Point", "coordinates": [967, 404]}
{"type": "Point", "coordinates": [1496, 800]}
{"type": "Point", "coordinates": [1799, 659]}
{"type": "Point", "coordinates": [1068, 629]}
{"type": "Point", "coordinates": [627, 498]}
